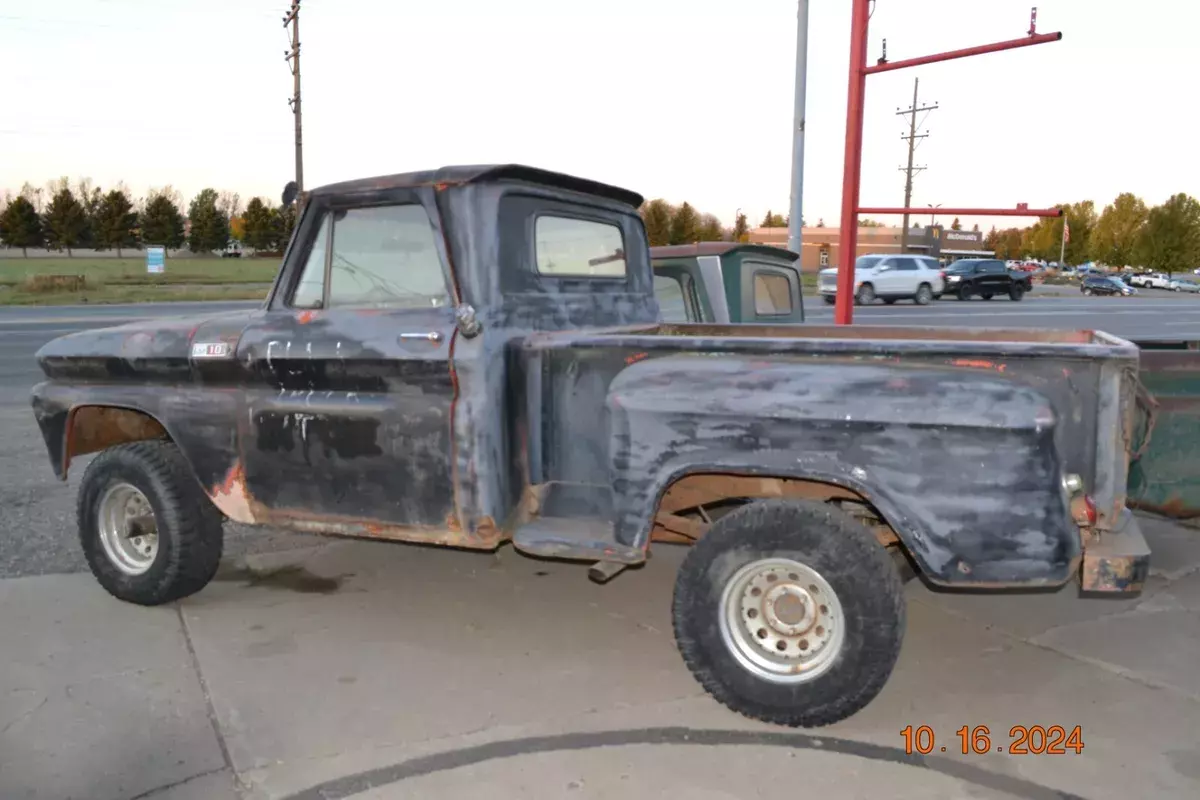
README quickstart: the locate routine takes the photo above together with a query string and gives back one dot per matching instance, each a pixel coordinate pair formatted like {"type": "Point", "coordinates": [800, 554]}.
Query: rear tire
{"type": "Point", "coordinates": [829, 299]}
{"type": "Point", "coordinates": [865, 295]}
{"type": "Point", "coordinates": [753, 599]}
{"type": "Point", "coordinates": [924, 295]}
{"type": "Point", "coordinates": [148, 532]}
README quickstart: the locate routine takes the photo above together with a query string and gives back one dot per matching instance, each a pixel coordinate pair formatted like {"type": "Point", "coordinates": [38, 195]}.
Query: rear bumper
{"type": "Point", "coordinates": [1117, 561]}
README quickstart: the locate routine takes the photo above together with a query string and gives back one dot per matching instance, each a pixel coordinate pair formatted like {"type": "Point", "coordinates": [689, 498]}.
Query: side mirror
{"type": "Point", "coordinates": [468, 324]}
{"type": "Point", "coordinates": [290, 190]}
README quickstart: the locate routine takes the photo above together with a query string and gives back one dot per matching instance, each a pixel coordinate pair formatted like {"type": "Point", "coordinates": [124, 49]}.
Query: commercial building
{"type": "Point", "coordinates": [820, 245]}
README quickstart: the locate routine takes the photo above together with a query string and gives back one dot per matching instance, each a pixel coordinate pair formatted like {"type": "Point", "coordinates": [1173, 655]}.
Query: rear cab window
{"type": "Point", "coordinates": [570, 247]}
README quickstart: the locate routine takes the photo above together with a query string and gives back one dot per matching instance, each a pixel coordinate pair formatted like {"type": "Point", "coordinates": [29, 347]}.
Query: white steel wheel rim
{"type": "Point", "coordinates": [128, 529]}
{"type": "Point", "coordinates": [782, 620]}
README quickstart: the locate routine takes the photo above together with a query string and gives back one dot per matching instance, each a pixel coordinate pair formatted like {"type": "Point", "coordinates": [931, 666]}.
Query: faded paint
{"type": "Point", "coordinates": [327, 422]}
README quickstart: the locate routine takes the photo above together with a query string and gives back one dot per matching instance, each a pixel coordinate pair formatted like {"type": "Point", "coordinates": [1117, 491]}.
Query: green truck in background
{"type": "Point", "coordinates": [731, 282]}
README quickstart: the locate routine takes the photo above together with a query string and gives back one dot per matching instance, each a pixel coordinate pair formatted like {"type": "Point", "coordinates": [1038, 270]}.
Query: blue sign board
{"type": "Point", "coordinates": [156, 259]}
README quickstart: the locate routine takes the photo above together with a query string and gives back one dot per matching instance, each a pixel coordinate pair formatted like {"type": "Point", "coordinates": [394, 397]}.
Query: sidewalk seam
{"type": "Point", "coordinates": [208, 703]}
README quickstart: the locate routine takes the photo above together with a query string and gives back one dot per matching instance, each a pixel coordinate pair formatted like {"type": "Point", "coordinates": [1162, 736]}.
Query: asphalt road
{"type": "Point", "coordinates": [37, 528]}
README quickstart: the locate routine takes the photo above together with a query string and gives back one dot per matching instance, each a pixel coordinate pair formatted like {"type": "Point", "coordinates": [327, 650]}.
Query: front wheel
{"type": "Point", "coordinates": [789, 612]}
{"type": "Point", "coordinates": [924, 295]}
{"type": "Point", "coordinates": [1087, 292]}
{"type": "Point", "coordinates": [962, 293]}
{"type": "Point", "coordinates": [829, 299]}
{"type": "Point", "coordinates": [1016, 292]}
{"type": "Point", "coordinates": [865, 295]}
{"type": "Point", "coordinates": [148, 532]}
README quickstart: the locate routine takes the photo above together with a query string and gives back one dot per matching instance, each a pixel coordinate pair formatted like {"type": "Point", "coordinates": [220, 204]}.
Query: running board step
{"type": "Point", "coordinates": [575, 539]}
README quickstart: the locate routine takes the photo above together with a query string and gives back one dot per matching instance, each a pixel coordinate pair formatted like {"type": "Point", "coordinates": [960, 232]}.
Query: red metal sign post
{"type": "Point", "coordinates": [851, 172]}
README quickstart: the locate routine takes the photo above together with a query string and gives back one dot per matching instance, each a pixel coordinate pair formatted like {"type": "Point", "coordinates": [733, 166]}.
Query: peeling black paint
{"type": "Point", "coordinates": [329, 420]}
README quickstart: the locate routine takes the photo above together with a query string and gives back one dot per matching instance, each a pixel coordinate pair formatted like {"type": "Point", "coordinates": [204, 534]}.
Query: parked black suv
{"type": "Point", "coordinates": [985, 277]}
{"type": "Point", "coordinates": [1106, 285]}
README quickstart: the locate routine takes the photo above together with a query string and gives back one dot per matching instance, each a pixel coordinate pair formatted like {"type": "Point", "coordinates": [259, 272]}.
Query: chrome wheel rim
{"type": "Point", "coordinates": [128, 529]}
{"type": "Point", "coordinates": [782, 620]}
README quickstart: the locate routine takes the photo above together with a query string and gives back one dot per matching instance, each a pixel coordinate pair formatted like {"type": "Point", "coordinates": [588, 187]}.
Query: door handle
{"type": "Point", "coordinates": [432, 336]}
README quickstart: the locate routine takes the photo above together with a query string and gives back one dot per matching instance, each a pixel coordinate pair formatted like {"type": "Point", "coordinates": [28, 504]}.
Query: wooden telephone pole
{"type": "Point", "coordinates": [293, 56]}
{"type": "Point", "coordinates": [910, 170]}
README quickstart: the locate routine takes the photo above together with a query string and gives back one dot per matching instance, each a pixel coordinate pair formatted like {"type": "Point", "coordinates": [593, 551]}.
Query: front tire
{"type": "Point", "coordinates": [789, 612]}
{"type": "Point", "coordinates": [1016, 292]}
{"type": "Point", "coordinates": [148, 532]}
{"type": "Point", "coordinates": [829, 299]}
{"type": "Point", "coordinates": [865, 295]}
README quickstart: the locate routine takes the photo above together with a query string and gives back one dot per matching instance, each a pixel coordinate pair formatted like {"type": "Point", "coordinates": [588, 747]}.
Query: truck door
{"type": "Point", "coordinates": [348, 417]}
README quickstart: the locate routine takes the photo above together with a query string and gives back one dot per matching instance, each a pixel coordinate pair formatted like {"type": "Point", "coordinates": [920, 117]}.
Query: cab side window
{"type": "Point", "coordinates": [378, 256]}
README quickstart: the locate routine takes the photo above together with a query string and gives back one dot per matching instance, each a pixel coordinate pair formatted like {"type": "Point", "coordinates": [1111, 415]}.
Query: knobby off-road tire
{"type": "Point", "coordinates": [844, 579]}
{"type": "Point", "coordinates": [187, 539]}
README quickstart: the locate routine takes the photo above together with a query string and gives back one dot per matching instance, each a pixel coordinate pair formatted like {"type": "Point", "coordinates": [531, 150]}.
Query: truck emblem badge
{"type": "Point", "coordinates": [210, 350]}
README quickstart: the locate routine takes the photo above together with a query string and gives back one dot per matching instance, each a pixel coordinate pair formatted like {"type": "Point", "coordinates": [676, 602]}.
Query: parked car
{"type": "Point", "coordinates": [1183, 285]}
{"type": "Point", "coordinates": [1151, 280]}
{"type": "Point", "coordinates": [232, 250]}
{"type": "Point", "coordinates": [889, 278]}
{"type": "Point", "coordinates": [763, 281]}
{"type": "Point", "coordinates": [986, 278]}
{"type": "Point", "coordinates": [1106, 285]}
{"type": "Point", "coordinates": [472, 355]}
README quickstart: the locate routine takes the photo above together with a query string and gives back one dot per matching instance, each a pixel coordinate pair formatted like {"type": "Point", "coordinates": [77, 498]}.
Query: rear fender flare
{"type": "Point", "coordinates": [855, 479]}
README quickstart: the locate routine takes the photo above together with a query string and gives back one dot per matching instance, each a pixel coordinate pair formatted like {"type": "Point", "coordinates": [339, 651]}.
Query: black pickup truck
{"type": "Point", "coordinates": [986, 278]}
{"type": "Point", "coordinates": [472, 355]}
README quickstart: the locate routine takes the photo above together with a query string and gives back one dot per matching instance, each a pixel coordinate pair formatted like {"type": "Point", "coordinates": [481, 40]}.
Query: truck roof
{"type": "Point", "coordinates": [481, 173]}
{"type": "Point", "coordinates": [718, 249]}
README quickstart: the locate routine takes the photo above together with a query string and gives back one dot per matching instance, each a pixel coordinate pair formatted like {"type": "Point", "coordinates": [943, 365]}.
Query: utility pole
{"type": "Point", "coordinates": [293, 56]}
{"type": "Point", "coordinates": [796, 216]}
{"type": "Point", "coordinates": [910, 170]}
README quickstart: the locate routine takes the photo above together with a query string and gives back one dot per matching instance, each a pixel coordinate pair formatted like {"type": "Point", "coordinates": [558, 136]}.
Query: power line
{"type": "Point", "coordinates": [914, 139]}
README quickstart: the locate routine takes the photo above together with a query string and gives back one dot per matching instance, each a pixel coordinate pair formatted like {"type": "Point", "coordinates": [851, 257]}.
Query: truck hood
{"type": "Point", "coordinates": [154, 348]}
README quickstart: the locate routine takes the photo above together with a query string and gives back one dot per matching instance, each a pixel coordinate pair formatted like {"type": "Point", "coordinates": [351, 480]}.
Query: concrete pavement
{"type": "Point", "coordinates": [373, 670]}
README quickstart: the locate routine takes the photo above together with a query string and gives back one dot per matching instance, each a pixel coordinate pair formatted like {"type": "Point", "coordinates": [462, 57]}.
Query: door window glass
{"type": "Point", "coordinates": [673, 298]}
{"type": "Point", "coordinates": [385, 256]}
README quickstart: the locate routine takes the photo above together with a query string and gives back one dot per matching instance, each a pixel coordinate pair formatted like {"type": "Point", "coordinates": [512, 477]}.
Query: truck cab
{"type": "Point", "coordinates": [474, 356]}
{"type": "Point", "coordinates": [728, 282]}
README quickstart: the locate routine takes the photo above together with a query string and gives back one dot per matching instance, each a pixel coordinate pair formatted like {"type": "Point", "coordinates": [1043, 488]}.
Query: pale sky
{"type": "Point", "coordinates": [682, 99]}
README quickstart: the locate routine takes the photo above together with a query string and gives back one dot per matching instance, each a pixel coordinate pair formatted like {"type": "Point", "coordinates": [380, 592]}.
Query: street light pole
{"type": "Point", "coordinates": [796, 218]}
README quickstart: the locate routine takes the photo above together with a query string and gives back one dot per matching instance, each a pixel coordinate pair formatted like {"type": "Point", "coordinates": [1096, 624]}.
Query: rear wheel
{"type": "Point", "coordinates": [829, 299]}
{"type": "Point", "coordinates": [1016, 292]}
{"type": "Point", "coordinates": [924, 295]}
{"type": "Point", "coordinates": [865, 295]}
{"type": "Point", "coordinates": [148, 532]}
{"type": "Point", "coordinates": [789, 612]}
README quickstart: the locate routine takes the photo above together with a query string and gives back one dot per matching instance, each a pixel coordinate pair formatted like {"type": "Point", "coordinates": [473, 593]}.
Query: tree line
{"type": "Point", "coordinates": [85, 217]}
{"type": "Point", "coordinates": [1164, 238]}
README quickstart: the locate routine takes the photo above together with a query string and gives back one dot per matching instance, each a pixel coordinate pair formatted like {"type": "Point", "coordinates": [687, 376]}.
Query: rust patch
{"type": "Point", "coordinates": [698, 490]}
{"type": "Point", "coordinates": [1114, 573]}
{"type": "Point", "coordinates": [978, 363]}
{"type": "Point", "coordinates": [232, 498]}
{"type": "Point", "coordinates": [94, 428]}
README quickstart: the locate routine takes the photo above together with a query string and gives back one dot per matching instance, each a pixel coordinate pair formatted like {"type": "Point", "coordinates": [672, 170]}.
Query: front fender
{"type": "Point", "coordinates": [201, 422]}
{"type": "Point", "coordinates": [963, 466]}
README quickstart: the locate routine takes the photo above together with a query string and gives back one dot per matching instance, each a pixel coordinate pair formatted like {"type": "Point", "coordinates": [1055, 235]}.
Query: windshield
{"type": "Point", "coordinates": [962, 266]}
{"type": "Point", "coordinates": [867, 262]}
{"type": "Point", "coordinates": [1117, 281]}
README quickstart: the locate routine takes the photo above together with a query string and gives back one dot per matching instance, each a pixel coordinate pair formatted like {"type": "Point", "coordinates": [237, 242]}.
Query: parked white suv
{"type": "Point", "coordinates": [890, 278]}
